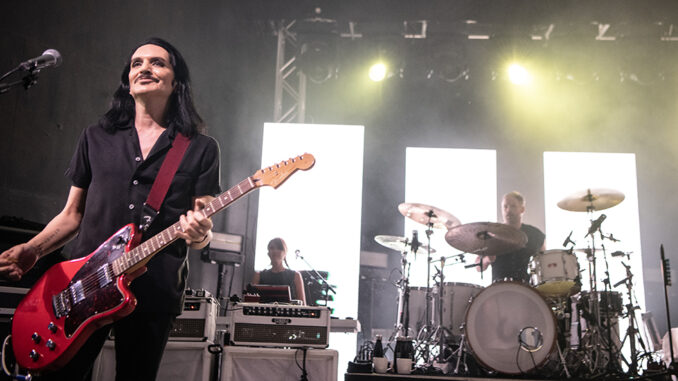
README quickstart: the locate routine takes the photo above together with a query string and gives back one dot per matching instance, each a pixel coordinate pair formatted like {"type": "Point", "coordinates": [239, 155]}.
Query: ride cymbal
{"type": "Point", "coordinates": [486, 238]}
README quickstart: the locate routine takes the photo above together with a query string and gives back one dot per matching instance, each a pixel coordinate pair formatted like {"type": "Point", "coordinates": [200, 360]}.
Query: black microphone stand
{"type": "Point", "coordinates": [673, 369]}
{"type": "Point", "coordinates": [325, 286]}
{"type": "Point", "coordinates": [30, 79]}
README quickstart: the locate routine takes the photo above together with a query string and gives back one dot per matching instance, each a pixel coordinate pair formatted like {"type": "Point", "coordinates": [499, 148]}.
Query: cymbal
{"type": "Point", "coordinates": [591, 199]}
{"type": "Point", "coordinates": [425, 214]}
{"type": "Point", "coordinates": [486, 238]}
{"type": "Point", "coordinates": [400, 244]}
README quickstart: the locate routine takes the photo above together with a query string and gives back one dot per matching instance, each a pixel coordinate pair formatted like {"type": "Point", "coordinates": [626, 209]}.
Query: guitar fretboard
{"type": "Point", "coordinates": [159, 241]}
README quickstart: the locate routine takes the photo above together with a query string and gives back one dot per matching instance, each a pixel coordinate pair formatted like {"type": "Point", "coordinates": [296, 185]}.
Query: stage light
{"type": "Point", "coordinates": [518, 75]}
{"type": "Point", "coordinates": [317, 59]}
{"type": "Point", "coordinates": [378, 72]}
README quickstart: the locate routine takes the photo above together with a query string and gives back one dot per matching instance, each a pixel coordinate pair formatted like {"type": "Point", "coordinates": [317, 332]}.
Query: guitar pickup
{"type": "Point", "coordinates": [77, 292]}
{"type": "Point", "coordinates": [104, 275]}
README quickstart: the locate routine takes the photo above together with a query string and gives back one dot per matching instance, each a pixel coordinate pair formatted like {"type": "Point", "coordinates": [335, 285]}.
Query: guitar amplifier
{"type": "Point", "coordinates": [198, 321]}
{"type": "Point", "coordinates": [279, 325]}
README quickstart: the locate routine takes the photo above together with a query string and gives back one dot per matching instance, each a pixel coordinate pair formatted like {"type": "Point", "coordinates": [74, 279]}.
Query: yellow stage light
{"type": "Point", "coordinates": [377, 72]}
{"type": "Point", "coordinates": [518, 75]}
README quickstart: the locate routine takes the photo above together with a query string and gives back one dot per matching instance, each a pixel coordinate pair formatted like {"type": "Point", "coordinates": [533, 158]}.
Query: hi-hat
{"type": "Point", "coordinates": [486, 238]}
{"type": "Point", "coordinates": [426, 214]}
{"type": "Point", "coordinates": [591, 199]}
{"type": "Point", "coordinates": [400, 244]}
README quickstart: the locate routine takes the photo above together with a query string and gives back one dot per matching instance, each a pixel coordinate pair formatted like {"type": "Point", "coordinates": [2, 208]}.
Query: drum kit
{"type": "Point", "coordinates": [549, 327]}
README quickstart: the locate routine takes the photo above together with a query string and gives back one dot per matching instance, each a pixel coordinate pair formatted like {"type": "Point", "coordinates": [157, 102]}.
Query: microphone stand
{"type": "Point", "coordinates": [27, 81]}
{"type": "Point", "coordinates": [325, 286]}
{"type": "Point", "coordinates": [672, 368]}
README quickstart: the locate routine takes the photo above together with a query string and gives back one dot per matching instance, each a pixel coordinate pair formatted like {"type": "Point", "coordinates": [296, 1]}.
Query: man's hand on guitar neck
{"type": "Point", "coordinates": [16, 261]}
{"type": "Point", "coordinates": [197, 229]}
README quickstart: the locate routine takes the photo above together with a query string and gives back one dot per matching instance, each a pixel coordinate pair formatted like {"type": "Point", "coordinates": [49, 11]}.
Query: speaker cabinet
{"type": "Point", "coordinates": [180, 361]}
{"type": "Point", "coordinates": [255, 364]}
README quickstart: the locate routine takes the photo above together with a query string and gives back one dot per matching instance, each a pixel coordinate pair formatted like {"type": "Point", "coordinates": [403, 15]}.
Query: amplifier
{"type": "Point", "coordinates": [198, 321]}
{"type": "Point", "coordinates": [279, 325]}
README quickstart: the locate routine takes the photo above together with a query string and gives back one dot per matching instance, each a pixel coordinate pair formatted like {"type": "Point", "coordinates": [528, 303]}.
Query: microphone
{"type": "Point", "coordinates": [618, 254]}
{"type": "Point", "coordinates": [50, 57]}
{"type": "Point", "coordinates": [595, 225]}
{"type": "Point", "coordinates": [473, 265]}
{"type": "Point", "coordinates": [297, 254]}
{"type": "Point", "coordinates": [415, 241]}
{"type": "Point", "coordinates": [568, 240]}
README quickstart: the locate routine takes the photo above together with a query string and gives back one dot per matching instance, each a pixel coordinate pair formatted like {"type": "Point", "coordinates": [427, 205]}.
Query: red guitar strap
{"type": "Point", "coordinates": [163, 180]}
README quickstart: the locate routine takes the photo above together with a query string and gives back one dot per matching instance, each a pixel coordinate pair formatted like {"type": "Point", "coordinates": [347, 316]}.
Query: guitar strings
{"type": "Point", "coordinates": [92, 281]}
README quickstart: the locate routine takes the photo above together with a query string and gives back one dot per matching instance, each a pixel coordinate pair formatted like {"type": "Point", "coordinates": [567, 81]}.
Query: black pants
{"type": "Point", "coordinates": [140, 340]}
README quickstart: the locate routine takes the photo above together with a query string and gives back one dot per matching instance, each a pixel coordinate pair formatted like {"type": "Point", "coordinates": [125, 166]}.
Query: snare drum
{"type": "Point", "coordinates": [456, 300]}
{"type": "Point", "coordinates": [555, 273]}
{"type": "Point", "coordinates": [510, 328]}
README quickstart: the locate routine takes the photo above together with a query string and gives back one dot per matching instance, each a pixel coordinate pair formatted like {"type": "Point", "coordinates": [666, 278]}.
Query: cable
{"type": "Point", "coordinates": [4, 350]}
{"type": "Point", "coordinates": [304, 374]}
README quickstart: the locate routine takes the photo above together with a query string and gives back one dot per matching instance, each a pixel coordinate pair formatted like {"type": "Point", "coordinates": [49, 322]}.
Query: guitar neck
{"type": "Point", "coordinates": [152, 246]}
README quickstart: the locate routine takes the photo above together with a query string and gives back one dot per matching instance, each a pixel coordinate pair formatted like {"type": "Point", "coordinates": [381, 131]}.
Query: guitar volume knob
{"type": "Point", "coordinates": [36, 337]}
{"type": "Point", "coordinates": [34, 355]}
{"type": "Point", "coordinates": [52, 327]}
{"type": "Point", "coordinates": [50, 344]}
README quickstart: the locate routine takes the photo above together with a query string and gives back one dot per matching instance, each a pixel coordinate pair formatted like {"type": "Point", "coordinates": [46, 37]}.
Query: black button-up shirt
{"type": "Point", "coordinates": [110, 166]}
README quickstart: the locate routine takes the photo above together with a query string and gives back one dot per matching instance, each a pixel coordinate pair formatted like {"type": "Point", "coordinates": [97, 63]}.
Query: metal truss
{"type": "Point", "coordinates": [289, 103]}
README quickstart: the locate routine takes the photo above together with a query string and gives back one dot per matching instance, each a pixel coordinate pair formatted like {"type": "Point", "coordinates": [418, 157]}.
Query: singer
{"type": "Point", "coordinates": [112, 171]}
{"type": "Point", "coordinates": [278, 274]}
{"type": "Point", "coordinates": [514, 265]}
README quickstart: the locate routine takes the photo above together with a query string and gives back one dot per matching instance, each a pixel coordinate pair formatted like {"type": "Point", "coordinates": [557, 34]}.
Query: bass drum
{"type": "Point", "coordinates": [510, 328]}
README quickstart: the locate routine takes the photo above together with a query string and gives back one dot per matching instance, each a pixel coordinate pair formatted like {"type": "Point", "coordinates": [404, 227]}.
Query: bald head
{"type": "Point", "coordinates": [512, 208]}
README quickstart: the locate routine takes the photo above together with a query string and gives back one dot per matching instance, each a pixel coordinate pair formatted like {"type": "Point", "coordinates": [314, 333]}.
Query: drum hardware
{"type": "Point", "coordinates": [432, 218]}
{"type": "Point", "coordinates": [403, 245]}
{"type": "Point", "coordinates": [632, 329]}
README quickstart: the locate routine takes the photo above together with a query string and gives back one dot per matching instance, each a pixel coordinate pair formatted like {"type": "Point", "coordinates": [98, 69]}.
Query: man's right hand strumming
{"type": "Point", "coordinates": [16, 261]}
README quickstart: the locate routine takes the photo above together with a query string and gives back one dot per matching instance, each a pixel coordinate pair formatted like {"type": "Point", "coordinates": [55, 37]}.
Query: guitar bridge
{"type": "Point", "coordinates": [61, 303]}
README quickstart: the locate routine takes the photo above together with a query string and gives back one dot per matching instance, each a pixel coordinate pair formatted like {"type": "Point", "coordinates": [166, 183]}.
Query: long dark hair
{"type": "Point", "coordinates": [181, 113]}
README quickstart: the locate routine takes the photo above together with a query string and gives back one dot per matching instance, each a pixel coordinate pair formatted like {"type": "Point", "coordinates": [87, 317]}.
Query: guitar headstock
{"type": "Point", "coordinates": [278, 173]}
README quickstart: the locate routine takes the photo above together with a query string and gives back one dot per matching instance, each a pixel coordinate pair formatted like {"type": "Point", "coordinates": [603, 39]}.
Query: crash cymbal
{"type": "Point", "coordinates": [486, 238]}
{"type": "Point", "coordinates": [400, 244]}
{"type": "Point", "coordinates": [425, 214]}
{"type": "Point", "coordinates": [591, 199]}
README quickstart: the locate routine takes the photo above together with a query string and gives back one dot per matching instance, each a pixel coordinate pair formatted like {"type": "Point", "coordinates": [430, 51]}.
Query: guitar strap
{"type": "Point", "coordinates": [163, 180]}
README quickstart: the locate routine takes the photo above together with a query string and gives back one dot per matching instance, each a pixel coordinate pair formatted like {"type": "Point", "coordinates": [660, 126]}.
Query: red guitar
{"type": "Point", "coordinates": [75, 298]}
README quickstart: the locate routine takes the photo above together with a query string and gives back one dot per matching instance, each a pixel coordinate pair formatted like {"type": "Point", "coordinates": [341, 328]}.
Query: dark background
{"type": "Point", "coordinates": [623, 99]}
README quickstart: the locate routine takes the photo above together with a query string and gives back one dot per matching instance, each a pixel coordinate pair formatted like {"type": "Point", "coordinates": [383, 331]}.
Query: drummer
{"type": "Point", "coordinates": [514, 264]}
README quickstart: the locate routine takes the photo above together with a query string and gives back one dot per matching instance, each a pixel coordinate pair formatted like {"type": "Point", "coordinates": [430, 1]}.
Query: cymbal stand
{"type": "Point", "coordinates": [594, 336]}
{"type": "Point", "coordinates": [441, 289]}
{"type": "Point", "coordinates": [427, 327]}
{"type": "Point", "coordinates": [632, 329]}
{"type": "Point", "coordinates": [403, 317]}
{"type": "Point", "coordinates": [613, 351]}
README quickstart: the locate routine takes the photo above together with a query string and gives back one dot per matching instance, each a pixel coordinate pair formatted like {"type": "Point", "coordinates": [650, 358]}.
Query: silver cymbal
{"type": "Point", "coordinates": [401, 244]}
{"type": "Point", "coordinates": [486, 238]}
{"type": "Point", "coordinates": [426, 214]}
